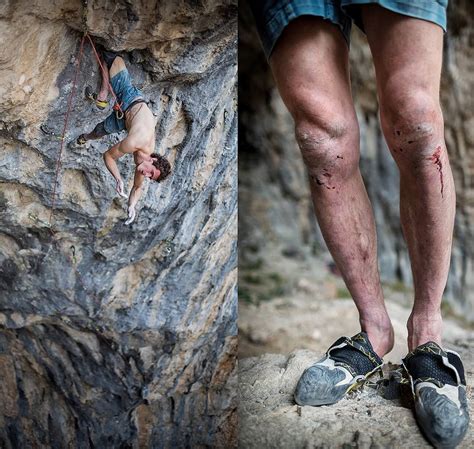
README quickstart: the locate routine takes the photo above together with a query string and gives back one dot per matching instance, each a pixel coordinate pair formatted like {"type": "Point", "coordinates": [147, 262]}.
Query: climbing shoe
{"type": "Point", "coordinates": [438, 386]}
{"type": "Point", "coordinates": [92, 96]}
{"type": "Point", "coordinates": [81, 140]}
{"type": "Point", "coordinates": [345, 366]}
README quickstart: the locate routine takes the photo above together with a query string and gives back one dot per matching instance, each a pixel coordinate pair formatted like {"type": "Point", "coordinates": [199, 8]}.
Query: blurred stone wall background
{"type": "Point", "coordinates": [275, 209]}
{"type": "Point", "coordinates": [114, 336]}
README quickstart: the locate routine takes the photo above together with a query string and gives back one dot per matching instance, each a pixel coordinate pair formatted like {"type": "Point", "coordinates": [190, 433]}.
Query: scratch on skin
{"type": "Point", "coordinates": [436, 158]}
{"type": "Point", "coordinates": [326, 173]}
{"type": "Point", "coordinates": [321, 183]}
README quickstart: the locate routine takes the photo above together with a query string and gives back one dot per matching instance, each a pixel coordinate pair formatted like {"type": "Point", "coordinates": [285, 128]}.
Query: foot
{"type": "Point", "coordinates": [91, 95]}
{"type": "Point", "coordinates": [423, 327]}
{"type": "Point", "coordinates": [81, 140]}
{"type": "Point", "coordinates": [379, 329]}
{"type": "Point", "coordinates": [346, 365]}
{"type": "Point", "coordinates": [439, 389]}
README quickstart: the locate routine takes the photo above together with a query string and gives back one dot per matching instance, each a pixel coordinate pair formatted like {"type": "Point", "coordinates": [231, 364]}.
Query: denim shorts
{"type": "Point", "coordinates": [272, 16]}
{"type": "Point", "coordinates": [126, 94]}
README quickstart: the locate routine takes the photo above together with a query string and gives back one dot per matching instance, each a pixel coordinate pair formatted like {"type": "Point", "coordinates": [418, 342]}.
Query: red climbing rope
{"type": "Point", "coordinates": [58, 161]}
{"type": "Point", "coordinates": [117, 105]}
{"type": "Point", "coordinates": [66, 119]}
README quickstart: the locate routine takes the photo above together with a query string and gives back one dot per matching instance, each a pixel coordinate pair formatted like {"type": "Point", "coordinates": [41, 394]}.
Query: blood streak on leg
{"type": "Point", "coordinates": [436, 158]}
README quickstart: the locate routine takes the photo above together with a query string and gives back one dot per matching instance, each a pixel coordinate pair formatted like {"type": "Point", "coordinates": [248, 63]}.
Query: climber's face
{"type": "Point", "coordinates": [147, 169]}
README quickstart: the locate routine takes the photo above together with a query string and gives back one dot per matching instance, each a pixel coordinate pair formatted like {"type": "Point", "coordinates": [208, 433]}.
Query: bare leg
{"type": "Point", "coordinates": [98, 132]}
{"type": "Point", "coordinates": [117, 66]}
{"type": "Point", "coordinates": [310, 65]}
{"type": "Point", "coordinates": [407, 55]}
{"type": "Point", "coordinates": [104, 87]}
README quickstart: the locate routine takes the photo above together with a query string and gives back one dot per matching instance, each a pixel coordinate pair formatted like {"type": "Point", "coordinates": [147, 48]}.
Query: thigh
{"type": "Point", "coordinates": [117, 66]}
{"type": "Point", "coordinates": [113, 125]}
{"type": "Point", "coordinates": [310, 64]}
{"type": "Point", "coordinates": [407, 53]}
{"type": "Point", "coordinates": [99, 130]}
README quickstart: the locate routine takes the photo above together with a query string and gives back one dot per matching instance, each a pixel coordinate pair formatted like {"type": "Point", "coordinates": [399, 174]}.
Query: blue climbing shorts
{"type": "Point", "coordinates": [126, 94]}
{"type": "Point", "coordinates": [272, 16]}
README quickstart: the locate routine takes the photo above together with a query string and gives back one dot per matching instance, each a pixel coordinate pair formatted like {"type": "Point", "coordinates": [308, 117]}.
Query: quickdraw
{"type": "Point", "coordinates": [118, 111]}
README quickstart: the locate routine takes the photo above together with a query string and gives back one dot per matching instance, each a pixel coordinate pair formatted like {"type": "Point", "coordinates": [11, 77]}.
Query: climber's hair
{"type": "Point", "coordinates": [162, 164]}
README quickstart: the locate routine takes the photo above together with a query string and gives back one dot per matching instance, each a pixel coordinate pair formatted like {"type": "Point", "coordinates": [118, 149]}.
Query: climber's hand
{"type": "Point", "coordinates": [119, 187]}
{"type": "Point", "coordinates": [131, 215]}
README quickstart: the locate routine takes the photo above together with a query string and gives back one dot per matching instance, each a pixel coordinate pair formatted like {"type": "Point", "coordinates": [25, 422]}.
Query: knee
{"type": "Point", "coordinates": [412, 124]}
{"type": "Point", "coordinates": [329, 142]}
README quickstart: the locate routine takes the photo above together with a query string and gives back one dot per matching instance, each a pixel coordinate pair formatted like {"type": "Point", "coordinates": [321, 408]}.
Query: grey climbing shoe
{"type": "Point", "coordinates": [346, 365]}
{"type": "Point", "coordinates": [439, 389]}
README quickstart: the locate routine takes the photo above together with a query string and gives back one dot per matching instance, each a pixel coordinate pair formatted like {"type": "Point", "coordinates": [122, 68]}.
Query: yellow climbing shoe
{"type": "Point", "coordinates": [91, 95]}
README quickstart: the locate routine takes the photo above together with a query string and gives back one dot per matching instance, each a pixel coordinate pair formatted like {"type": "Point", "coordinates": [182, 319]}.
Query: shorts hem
{"type": "Point", "coordinates": [285, 14]}
{"type": "Point", "coordinates": [436, 14]}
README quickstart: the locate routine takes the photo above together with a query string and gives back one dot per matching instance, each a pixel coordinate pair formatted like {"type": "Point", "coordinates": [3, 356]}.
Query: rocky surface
{"type": "Point", "coordinates": [115, 336]}
{"type": "Point", "coordinates": [270, 419]}
{"type": "Point", "coordinates": [275, 206]}
{"type": "Point", "coordinates": [280, 337]}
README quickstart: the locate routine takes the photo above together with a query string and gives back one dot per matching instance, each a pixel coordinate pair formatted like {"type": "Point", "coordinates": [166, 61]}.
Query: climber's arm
{"type": "Point", "coordinates": [135, 195]}
{"type": "Point", "coordinates": [110, 156]}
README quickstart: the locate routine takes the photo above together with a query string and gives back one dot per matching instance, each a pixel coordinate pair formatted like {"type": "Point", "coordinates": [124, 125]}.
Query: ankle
{"type": "Point", "coordinates": [380, 334]}
{"type": "Point", "coordinates": [102, 96]}
{"type": "Point", "coordinates": [424, 326]}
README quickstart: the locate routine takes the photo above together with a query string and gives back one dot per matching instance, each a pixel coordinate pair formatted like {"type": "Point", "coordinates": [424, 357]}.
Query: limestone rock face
{"type": "Point", "coordinates": [112, 335]}
{"type": "Point", "coordinates": [274, 198]}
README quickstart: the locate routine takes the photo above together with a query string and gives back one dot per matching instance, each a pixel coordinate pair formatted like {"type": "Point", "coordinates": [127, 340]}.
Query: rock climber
{"type": "Point", "coordinates": [307, 46]}
{"type": "Point", "coordinates": [133, 114]}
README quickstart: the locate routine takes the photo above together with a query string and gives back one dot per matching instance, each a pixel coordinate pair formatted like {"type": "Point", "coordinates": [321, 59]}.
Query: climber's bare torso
{"type": "Point", "coordinates": [140, 124]}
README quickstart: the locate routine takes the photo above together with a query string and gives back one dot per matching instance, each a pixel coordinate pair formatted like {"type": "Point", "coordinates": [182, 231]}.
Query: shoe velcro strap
{"type": "Point", "coordinates": [359, 359]}
{"type": "Point", "coordinates": [430, 363]}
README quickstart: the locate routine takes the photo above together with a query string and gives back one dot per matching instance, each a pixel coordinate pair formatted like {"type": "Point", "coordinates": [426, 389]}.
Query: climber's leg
{"type": "Point", "coordinates": [407, 56]}
{"type": "Point", "coordinates": [98, 132]}
{"type": "Point", "coordinates": [104, 87]}
{"type": "Point", "coordinates": [117, 66]}
{"type": "Point", "coordinates": [107, 60]}
{"type": "Point", "coordinates": [310, 64]}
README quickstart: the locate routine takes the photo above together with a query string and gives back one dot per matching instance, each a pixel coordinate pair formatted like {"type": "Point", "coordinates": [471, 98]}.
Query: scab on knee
{"type": "Point", "coordinates": [329, 149]}
{"type": "Point", "coordinates": [412, 124]}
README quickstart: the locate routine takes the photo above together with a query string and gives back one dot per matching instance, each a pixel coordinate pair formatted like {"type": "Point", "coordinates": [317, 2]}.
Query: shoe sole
{"type": "Point", "coordinates": [353, 387]}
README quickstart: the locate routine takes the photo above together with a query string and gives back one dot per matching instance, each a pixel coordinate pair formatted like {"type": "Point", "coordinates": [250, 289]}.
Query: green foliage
{"type": "Point", "coordinates": [342, 292]}
{"type": "Point", "coordinates": [257, 285]}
